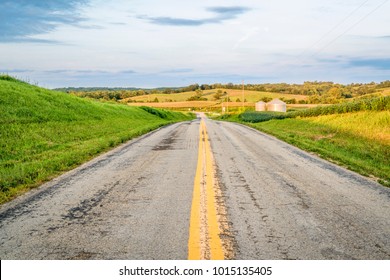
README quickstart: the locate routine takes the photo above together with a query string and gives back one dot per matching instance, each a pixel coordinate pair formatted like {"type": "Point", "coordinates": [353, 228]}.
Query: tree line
{"type": "Point", "coordinates": [317, 92]}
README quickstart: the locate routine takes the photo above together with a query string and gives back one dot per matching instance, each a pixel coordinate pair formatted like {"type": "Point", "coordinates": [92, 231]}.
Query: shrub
{"type": "Point", "coordinates": [255, 117]}
{"type": "Point", "coordinates": [157, 112]}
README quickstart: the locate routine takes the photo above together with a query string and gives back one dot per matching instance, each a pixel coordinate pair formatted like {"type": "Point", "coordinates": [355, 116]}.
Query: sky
{"type": "Point", "coordinates": [169, 43]}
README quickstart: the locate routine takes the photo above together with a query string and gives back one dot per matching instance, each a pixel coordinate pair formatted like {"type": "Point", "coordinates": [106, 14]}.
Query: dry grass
{"type": "Point", "coordinates": [210, 105]}
{"type": "Point", "coordinates": [196, 105]}
{"type": "Point", "coordinates": [254, 96]}
{"type": "Point", "coordinates": [370, 125]}
{"type": "Point", "coordinates": [182, 104]}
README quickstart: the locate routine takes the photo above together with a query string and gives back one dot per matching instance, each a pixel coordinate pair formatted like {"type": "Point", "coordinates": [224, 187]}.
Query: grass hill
{"type": "Point", "coordinates": [44, 133]}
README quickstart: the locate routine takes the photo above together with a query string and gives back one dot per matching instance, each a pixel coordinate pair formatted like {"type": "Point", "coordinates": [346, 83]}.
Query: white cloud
{"type": "Point", "coordinates": [281, 40]}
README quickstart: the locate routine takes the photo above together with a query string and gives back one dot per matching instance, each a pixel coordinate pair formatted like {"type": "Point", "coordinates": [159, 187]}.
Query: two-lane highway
{"type": "Point", "coordinates": [201, 189]}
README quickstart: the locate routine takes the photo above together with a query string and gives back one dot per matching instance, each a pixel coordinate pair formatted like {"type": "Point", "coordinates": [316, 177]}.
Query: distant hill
{"type": "Point", "coordinates": [90, 89]}
{"type": "Point", "coordinates": [83, 89]}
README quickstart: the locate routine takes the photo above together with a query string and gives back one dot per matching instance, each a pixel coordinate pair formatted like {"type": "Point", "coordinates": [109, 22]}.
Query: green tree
{"type": "Point", "coordinates": [217, 95]}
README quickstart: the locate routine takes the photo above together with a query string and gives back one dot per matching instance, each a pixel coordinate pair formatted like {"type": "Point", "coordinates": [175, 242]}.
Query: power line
{"type": "Point", "coordinates": [334, 27]}
{"type": "Point", "coordinates": [300, 58]}
{"type": "Point", "coordinates": [351, 27]}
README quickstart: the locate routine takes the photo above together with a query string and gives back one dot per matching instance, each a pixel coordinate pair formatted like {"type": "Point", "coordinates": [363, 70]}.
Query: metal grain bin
{"type": "Point", "coordinates": [261, 106]}
{"type": "Point", "coordinates": [276, 105]}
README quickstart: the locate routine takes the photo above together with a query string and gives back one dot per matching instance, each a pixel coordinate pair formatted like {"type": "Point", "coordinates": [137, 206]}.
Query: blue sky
{"type": "Point", "coordinates": [142, 43]}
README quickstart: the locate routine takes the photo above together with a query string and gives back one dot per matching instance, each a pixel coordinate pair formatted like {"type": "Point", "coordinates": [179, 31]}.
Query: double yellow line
{"type": "Point", "coordinates": [204, 236]}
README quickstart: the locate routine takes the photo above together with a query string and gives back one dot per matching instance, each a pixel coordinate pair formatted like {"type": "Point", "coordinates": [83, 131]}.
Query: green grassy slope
{"type": "Point", "coordinates": [44, 133]}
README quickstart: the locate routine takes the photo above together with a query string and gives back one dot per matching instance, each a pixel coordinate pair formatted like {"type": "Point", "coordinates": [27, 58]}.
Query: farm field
{"type": "Point", "coordinates": [250, 96]}
{"type": "Point", "coordinates": [44, 133]}
{"type": "Point", "coordinates": [179, 101]}
{"type": "Point", "coordinates": [182, 105]}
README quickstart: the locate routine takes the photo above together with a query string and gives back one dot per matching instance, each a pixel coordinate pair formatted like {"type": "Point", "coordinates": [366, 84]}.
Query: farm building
{"type": "Point", "coordinates": [261, 106]}
{"type": "Point", "coordinates": [276, 105]}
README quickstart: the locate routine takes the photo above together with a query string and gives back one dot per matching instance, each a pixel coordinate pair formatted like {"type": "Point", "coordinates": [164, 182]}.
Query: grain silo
{"type": "Point", "coordinates": [261, 106]}
{"type": "Point", "coordinates": [276, 105]}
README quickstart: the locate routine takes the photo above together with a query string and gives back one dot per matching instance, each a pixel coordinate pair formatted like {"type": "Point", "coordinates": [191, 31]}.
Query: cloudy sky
{"type": "Point", "coordinates": [150, 43]}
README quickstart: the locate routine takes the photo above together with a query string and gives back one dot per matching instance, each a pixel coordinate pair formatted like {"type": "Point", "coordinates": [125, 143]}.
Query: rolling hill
{"type": "Point", "coordinates": [44, 133]}
{"type": "Point", "coordinates": [207, 99]}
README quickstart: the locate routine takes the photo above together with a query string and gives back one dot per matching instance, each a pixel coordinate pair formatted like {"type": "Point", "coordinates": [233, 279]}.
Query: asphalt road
{"type": "Point", "coordinates": [271, 201]}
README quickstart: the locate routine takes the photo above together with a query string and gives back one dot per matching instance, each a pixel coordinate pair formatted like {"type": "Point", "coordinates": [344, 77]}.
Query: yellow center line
{"type": "Point", "coordinates": [204, 235]}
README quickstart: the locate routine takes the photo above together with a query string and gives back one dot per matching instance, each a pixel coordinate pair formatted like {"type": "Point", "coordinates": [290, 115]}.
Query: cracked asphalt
{"type": "Point", "coordinates": [135, 201]}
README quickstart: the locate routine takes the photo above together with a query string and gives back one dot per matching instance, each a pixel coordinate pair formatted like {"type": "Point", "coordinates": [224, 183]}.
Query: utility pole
{"type": "Point", "coordinates": [243, 96]}
{"type": "Point", "coordinates": [227, 104]}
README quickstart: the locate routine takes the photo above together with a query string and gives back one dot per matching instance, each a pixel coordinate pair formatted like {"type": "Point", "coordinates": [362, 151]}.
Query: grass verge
{"type": "Point", "coordinates": [44, 133]}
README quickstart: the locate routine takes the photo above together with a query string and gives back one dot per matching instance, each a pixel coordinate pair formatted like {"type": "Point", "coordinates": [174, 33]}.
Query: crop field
{"type": "Point", "coordinates": [177, 97]}
{"type": "Point", "coordinates": [373, 126]}
{"type": "Point", "coordinates": [250, 96]}
{"type": "Point", "coordinates": [176, 105]}
{"type": "Point", "coordinates": [254, 96]}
